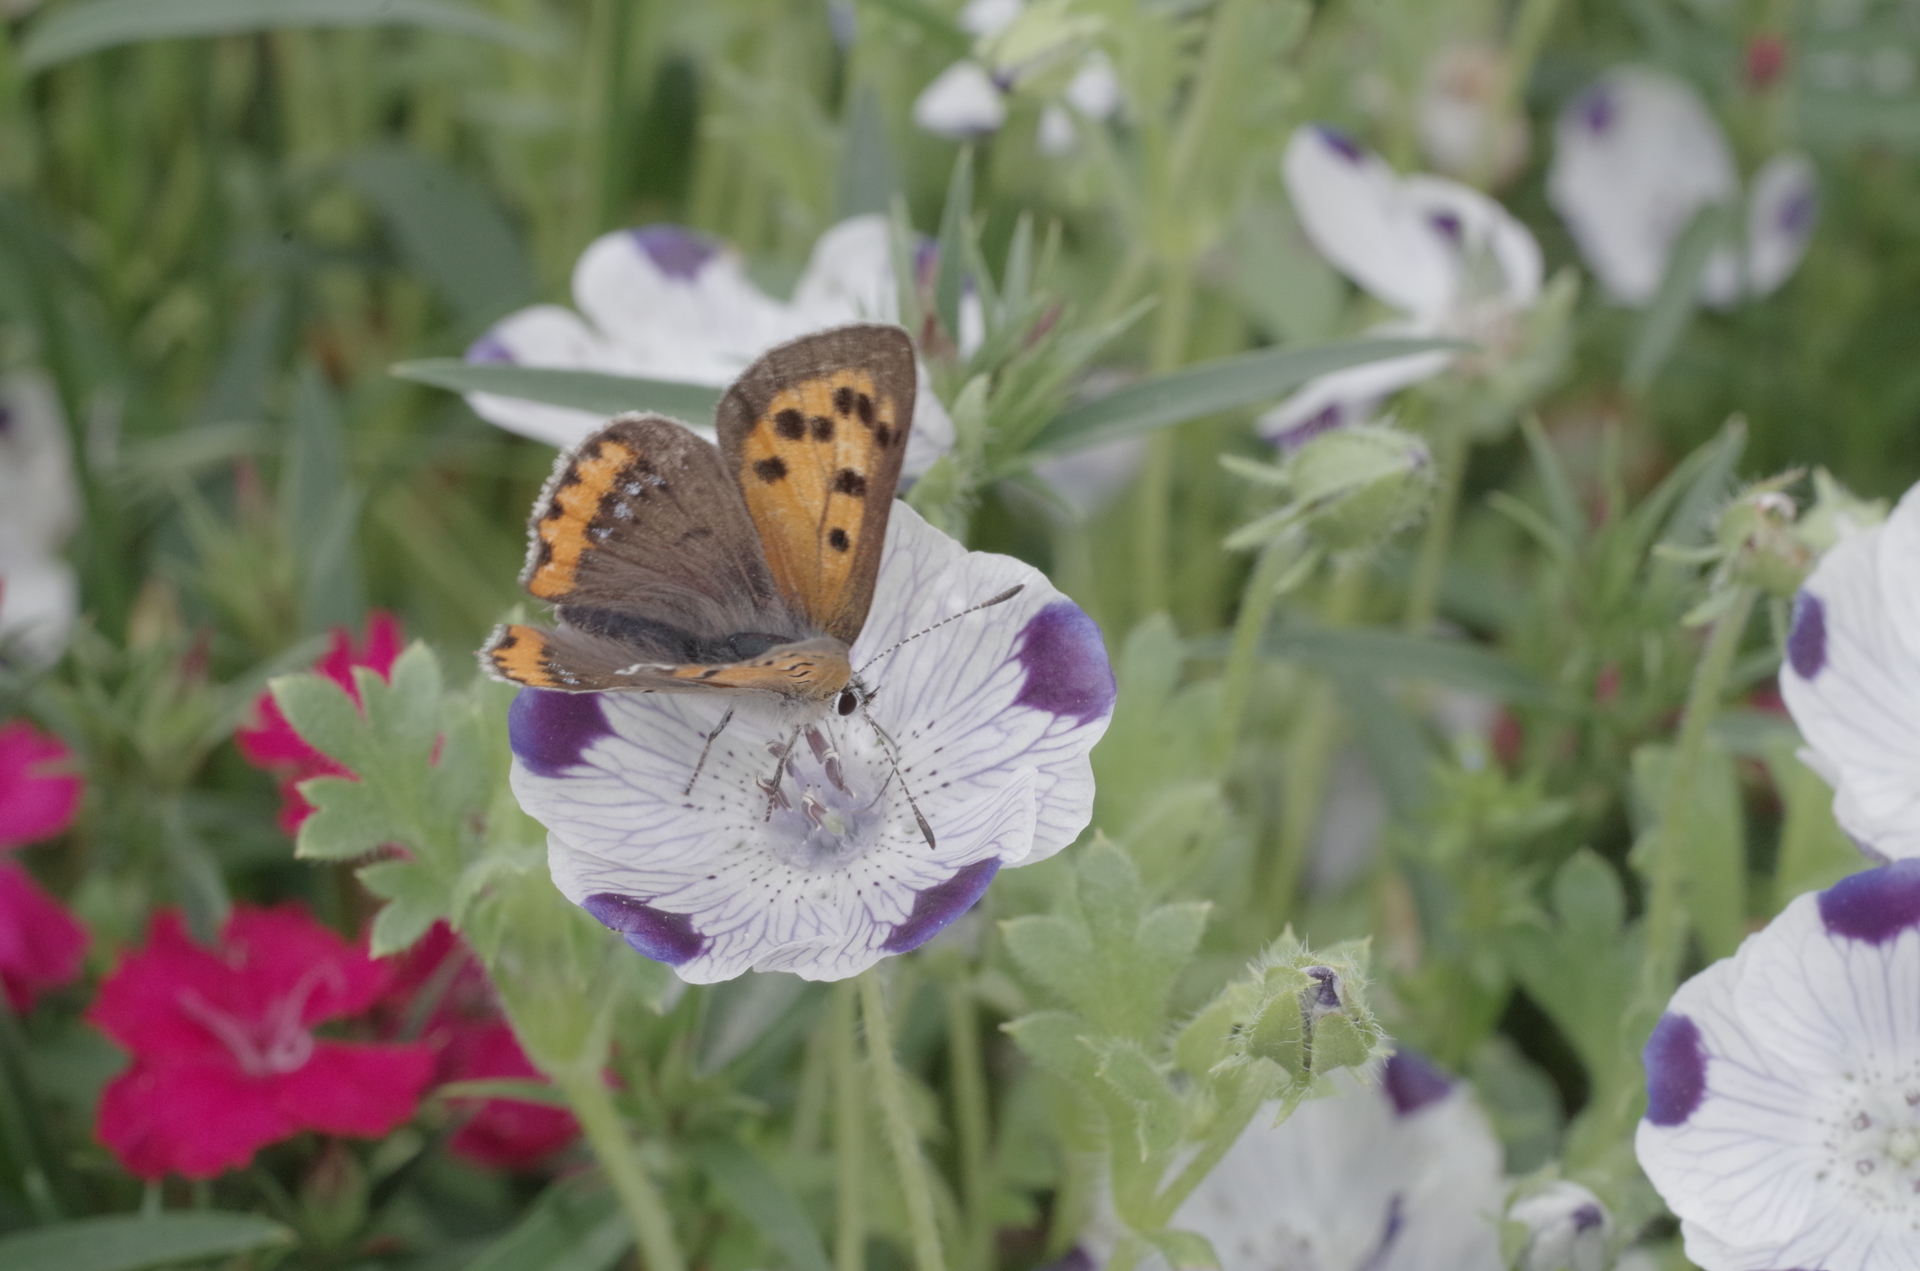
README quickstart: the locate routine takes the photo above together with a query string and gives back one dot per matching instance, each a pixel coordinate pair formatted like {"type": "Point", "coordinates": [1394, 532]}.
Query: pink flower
{"type": "Point", "coordinates": [225, 1060]}
{"type": "Point", "coordinates": [474, 1043]}
{"type": "Point", "coordinates": [272, 744]}
{"type": "Point", "coordinates": [41, 944]}
{"type": "Point", "coordinates": [38, 798]}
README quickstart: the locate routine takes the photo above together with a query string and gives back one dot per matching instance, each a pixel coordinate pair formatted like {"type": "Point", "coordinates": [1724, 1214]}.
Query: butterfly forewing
{"type": "Point", "coordinates": [815, 432]}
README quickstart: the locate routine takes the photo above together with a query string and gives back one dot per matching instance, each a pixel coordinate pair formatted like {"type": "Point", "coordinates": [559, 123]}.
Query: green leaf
{"type": "Point", "coordinates": [591, 391]}
{"type": "Point", "coordinates": [75, 30]}
{"type": "Point", "coordinates": [320, 508]}
{"type": "Point", "coordinates": [868, 174]}
{"type": "Point", "coordinates": [128, 1242]}
{"type": "Point", "coordinates": [1815, 853]}
{"type": "Point", "coordinates": [1376, 653]}
{"type": "Point", "coordinates": [324, 716]}
{"type": "Point", "coordinates": [416, 898]}
{"type": "Point", "coordinates": [744, 1179]}
{"type": "Point", "coordinates": [951, 264]}
{"type": "Point", "coordinates": [1056, 1040]}
{"type": "Point", "coordinates": [350, 818]}
{"type": "Point", "coordinates": [565, 1230]}
{"type": "Point", "coordinates": [1710, 838]}
{"type": "Point", "coordinates": [1209, 387]}
{"type": "Point", "coordinates": [448, 230]}
{"type": "Point", "coordinates": [1672, 309]}
{"type": "Point", "coordinates": [1185, 1250]}
{"type": "Point", "coordinates": [1130, 1075]}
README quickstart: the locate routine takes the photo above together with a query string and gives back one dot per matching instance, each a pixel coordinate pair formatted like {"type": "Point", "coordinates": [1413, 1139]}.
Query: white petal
{"type": "Point", "coordinates": [1899, 568]}
{"type": "Point", "coordinates": [1356, 213]}
{"type": "Point", "coordinates": [543, 335]}
{"type": "Point", "coordinates": [1853, 684]}
{"type": "Point", "coordinates": [39, 501]}
{"type": "Point", "coordinates": [675, 305]}
{"type": "Point", "coordinates": [1743, 1157]}
{"type": "Point", "coordinates": [1094, 90]}
{"type": "Point", "coordinates": [849, 277]}
{"type": "Point", "coordinates": [1781, 212]}
{"type": "Point", "coordinates": [1086, 479]}
{"type": "Point", "coordinates": [39, 601]}
{"type": "Point", "coordinates": [962, 102]}
{"type": "Point", "coordinates": [1484, 230]}
{"type": "Point", "coordinates": [989, 17]}
{"type": "Point", "coordinates": [1635, 157]}
{"type": "Point", "coordinates": [1057, 134]}
{"type": "Point", "coordinates": [1460, 84]}
{"type": "Point", "coordinates": [1351, 396]}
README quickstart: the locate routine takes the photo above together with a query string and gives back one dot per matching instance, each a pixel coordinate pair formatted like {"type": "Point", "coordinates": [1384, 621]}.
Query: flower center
{"type": "Point", "coordinates": [832, 799]}
{"type": "Point", "coordinates": [278, 1041]}
{"type": "Point", "coordinates": [1873, 1143]}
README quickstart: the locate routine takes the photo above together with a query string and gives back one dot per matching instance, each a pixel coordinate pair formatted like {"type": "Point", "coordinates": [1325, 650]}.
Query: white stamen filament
{"type": "Point", "coordinates": [278, 1042]}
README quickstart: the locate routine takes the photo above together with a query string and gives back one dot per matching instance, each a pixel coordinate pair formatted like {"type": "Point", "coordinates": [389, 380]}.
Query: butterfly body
{"type": "Point", "coordinates": [677, 566]}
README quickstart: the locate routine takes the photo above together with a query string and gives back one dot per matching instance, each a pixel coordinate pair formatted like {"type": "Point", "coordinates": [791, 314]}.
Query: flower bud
{"type": "Point", "coordinates": [1355, 486]}
{"type": "Point", "coordinates": [1310, 1019]}
{"type": "Point", "coordinates": [1562, 1227]}
{"type": "Point", "coordinates": [1762, 549]}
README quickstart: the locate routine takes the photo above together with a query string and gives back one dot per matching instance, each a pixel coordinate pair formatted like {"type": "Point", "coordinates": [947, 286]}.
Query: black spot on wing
{"type": "Point", "coordinates": [771, 469]}
{"type": "Point", "coordinates": [843, 400]}
{"type": "Point", "coordinates": [847, 481]}
{"type": "Point", "coordinates": [863, 405]}
{"type": "Point", "coordinates": [790, 424]}
{"type": "Point", "coordinates": [822, 428]}
{"type": "Point", "coordinates": [837, 539]}
{"type": "Point", "coordinates": [883, 435]}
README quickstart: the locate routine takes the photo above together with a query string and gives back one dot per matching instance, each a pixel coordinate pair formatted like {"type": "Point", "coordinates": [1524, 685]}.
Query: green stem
{"type": "Point", "coordinates": [1256, 609]}
{"type": "Point", "coordinates": [1666, 920]}
{"type": "Point", "coordinates": [970, 1118]}
{"type": "Point", "coordinates": [915, 1182]}
{"type": "Point", "coordinates": [587, 1093]}
{"type": "Point", "coordinates": [1153, 509]}
{"type": "Point", "coordinates": [1528, 32]}
{"type": "Point", "coordinates": [1246, 1106]}
{"type": "Point", "coordinates": [849, 1131]}
{"type": "Point", "coordinates": [1309, 753]}
{"type": "Point", "coordinates": [1430, 566]}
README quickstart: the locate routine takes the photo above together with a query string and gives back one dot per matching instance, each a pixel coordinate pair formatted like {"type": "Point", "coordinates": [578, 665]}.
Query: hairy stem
{"type": "Point", "coordinates": [849, 1131]}
{"type": "Point", "coordinates": [652, 1225]}
{"type": "Point", "coordinates": [915, 1182]}
{"type": "Point", "coordinates": [1430, 566]}
{"type": "Point", "coordinates": [970, 1117]}
{"type": "Point", "coordinates": [1256, 610]}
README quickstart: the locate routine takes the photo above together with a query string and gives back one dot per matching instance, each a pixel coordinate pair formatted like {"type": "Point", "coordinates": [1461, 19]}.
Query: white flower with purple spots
{"type": "Point", "coordinates": [1448, 258]}
{"type": "Point", "coordinates": [1564, 1228]}
{"type": "Point", "coordinates": [1852, 679]}
{"type": "Point", "coordinates": [1783, 1088]}
{"type": "Point", "coordinates": [662, 302]}
{"type": "Point", "coordinates": [39, 506]}
{"type": "Point", "coordinates": [816, 863]}
{"type": "Point", "coordinates": [1404, 1176]}
{"type": "Point", "coordinates": [1637, 156]}
{"type": "Point", "coordinates": [968, 100]}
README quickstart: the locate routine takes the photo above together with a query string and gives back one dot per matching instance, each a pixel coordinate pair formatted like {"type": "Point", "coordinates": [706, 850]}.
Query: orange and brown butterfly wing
{"type": "Point", "coordinates": [576, 661]}
{"type": "Point", "coordinates": [815, 432]}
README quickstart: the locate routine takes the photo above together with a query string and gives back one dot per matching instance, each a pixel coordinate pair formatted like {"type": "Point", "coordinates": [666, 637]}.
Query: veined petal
{"type": "Point", "coordinates": [797, 847]}
{"type": "Point", "coordinates": [1635, 157]}
{"type": "Point", "coordinates": [1899, 567]}
{"type": "Point", "coordinates": [1342, 398]}
{"type": "Point", "coordinates": [962, 102]}
{"type": "Point", "coordinates": [1781, 212]}
{"type": "Point", "coordinates": [1853, 684]}
{"type": "Point", "coordinates": [1355, 211]}
{"type": "Point", "coordinates": [675, 305]}
{"type": "Point", "coordinates": [1729, 1138]}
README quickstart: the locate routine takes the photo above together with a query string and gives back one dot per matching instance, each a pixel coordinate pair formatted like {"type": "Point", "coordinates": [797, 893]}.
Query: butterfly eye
{"type": "Point", "coordinates": [848, 702]}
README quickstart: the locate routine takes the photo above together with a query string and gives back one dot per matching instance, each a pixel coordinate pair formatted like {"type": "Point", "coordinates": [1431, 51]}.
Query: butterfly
{"type": "Point", "coordinates": [678, 566]}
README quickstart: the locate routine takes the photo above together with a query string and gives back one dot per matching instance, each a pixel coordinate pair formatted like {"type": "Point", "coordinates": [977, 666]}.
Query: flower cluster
{"type": "Point", "coordinates": [801, 848]}
{"type": "Point", "coordinates": [41, 944]}
{"type": "Point", "coordinates": [226, 1059]}
{"type": "Point", "coordinates": [271, 743]}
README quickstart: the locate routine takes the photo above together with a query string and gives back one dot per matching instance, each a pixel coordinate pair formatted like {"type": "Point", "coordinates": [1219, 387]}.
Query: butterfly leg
{"type": "Point", "coordinates": [776, 798]}
{"type": "Point", "coordinates": [887, 747]}
{"type": "Point", "coordinates": [707, 749]}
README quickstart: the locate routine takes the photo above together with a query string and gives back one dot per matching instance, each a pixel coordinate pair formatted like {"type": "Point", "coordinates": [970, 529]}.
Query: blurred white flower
{"type": "Point", "coordinates": [962, 102]}
{"type": "Point", "coordinates": [1783, 1088]}
{"type": "Point", "coordinates": [662, 302]}
{"type": "Point", "coordinates": [1567, 1229]}
{"type": "Point", "coordinates": [1402, 1177]}
{"type": "Point", "coordinates": [968, 100]}
{"type": "Point", "coordinates": [1637, 156]}
{"type": "Point", "coordinates": [1462, 83]}
{"type": "Point", "coordinates": [1852, 679]}
{"type": "Point", "coordinates": [1450, 259]}
{"type": "Point", "coordinates": [39, 508]}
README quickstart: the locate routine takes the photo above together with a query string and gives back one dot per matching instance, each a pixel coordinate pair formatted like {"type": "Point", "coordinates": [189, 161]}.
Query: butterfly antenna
{"type": "Point", "coordinates": [1002, 598]}
{"type": "Point", "coordinates": [886, 747]}
{"type": "Point", "coordinates": [707, 749]}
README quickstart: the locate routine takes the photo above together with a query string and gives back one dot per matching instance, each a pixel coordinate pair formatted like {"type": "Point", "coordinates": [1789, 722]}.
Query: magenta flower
{"type": "Point", "coordinates": [38, 797]}
{"type": "Point", "coordinates": [272, 744]}
{"type": "Point", "coordinates": [41, 944]}
{"type": "Point", "coordinates": [225, 1060]}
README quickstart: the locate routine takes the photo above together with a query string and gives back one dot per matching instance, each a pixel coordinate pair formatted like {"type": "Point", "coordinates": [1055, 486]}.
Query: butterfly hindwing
{"type": "Point", "coordinates": [577, 661]}
{"type": "Point", "coordinates": [814, 432]}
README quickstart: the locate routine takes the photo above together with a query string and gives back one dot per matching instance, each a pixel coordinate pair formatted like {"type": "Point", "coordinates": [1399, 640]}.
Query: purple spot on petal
{"type": "Point", "coordinates": [1340, 143]}
{"type": "Point", "coordinates": [675, 251]}
{"type": "Point", "coordinates": [653, 933]}
{"type": "Point", "coordinates": [1597, 108]}
{"type": "Point", "coordinates": [941, 903]}
{"type": "Point", "coordinates": [1390, 1232]}
{"type": "Point", "coordinates": [549, 731]}
{"type": "Point", "coordinates": [1874, 906]}
{"type": "Point", "coordinates": [1066, 664]}
{"type": "Point", "coordinates": [1448, 226]}
{"type": "Point", "coordinates": [926, 260]}
{"type": "Point", "coordinates": [1326, 419]}
{"type": "Point", "coordinates": [1412, 1082]}
{"type": "Point", "coordinates": [1676, 1062]}
{"type": "Point", "coordinates": [1074, 1259]}
{"type": "Point", "coordinates": [1796, 216]}
{"type": "Point", "coordinates": [1807, 637]}
{"type": "Point", "coordinates": [489, 350]}
{"type": "Point", "coordinates": [1587, 1217]}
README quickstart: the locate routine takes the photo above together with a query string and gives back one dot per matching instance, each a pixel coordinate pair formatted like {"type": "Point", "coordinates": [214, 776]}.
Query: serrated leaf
{"type": "Point", "coordinates": [349, 819]}
{"type": "Point", "coordinates": [1167, 936]}
{"type": "Point", "coordinates": [324, 716]}
{"type": "Point", "coordinates": [1055, 1041]}
{"type": "Point", "coordinates": [1052, 951]}
{"type": "Point", "coordinates": [1126, 1071]}
{"type": "Point", "coordinates": [416, 897]}
{"type": "Point", "coordinates": [125, 1242]}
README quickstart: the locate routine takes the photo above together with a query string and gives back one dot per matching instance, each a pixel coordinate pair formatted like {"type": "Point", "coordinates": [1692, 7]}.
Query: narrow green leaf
{"type": "Point", "coordinates": [1185, 1250]}
{"type": "Point", "coordinates": [868, 174]}
{"type": "Point", "coordinates": [537, 1092]}
{"type": "Point", "coordinates": [1672, 309]}
{"type": "Point", "coordinates": [1212, 386]}
{"type": "Point", "coordinates": [591, 391]}
{"type": "Point", "coordinates": [563, 1231]}
{"type": "Point", "coordinates": [955, 221]}
{"type": "Point", "coordinates": [127, 1242]}
{"type": "Point", "coordinates": [75, 30]}
{"type": "Point", "coordinates": [1380, 653]}
{"type": "Point", "coordinates": [744, 1179]}
{"type": "Point", "coordinates": [321, 507]}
